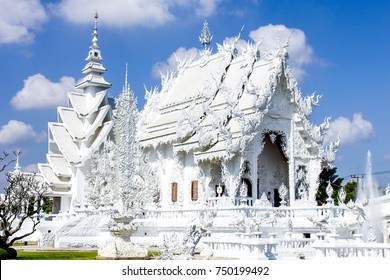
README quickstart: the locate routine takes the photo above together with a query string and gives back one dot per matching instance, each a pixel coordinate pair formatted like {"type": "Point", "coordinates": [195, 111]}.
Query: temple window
{"type": "Point", "coordinates": [174, 192]}
{"type": "Point", "coordinates": [194, 190]}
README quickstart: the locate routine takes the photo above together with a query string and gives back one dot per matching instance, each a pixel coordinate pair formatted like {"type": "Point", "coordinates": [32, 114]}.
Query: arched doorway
{"type": "Point", "coordinates": [272, 166]}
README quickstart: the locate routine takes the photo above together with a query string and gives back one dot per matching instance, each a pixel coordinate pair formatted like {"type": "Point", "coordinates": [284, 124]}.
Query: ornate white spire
{"type": "Point", "coordinates": [126, 86]}
{"type": "Point", "coordinates": [205, 36]}
{"type": "Point", "coordinates": [94, 70]}
{"type": "Point", "coordinates": [94, 53]}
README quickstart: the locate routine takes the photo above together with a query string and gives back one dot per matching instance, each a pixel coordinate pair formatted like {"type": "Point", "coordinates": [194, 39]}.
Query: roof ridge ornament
{"type": "Point", "coordinates": [17, 165]}
{"type": "Point", "coordinates": [282, 49]}
{"type": "Point", "coordinates": [236, 39]}
{"type": "Point", "coordinates": [205, 36]}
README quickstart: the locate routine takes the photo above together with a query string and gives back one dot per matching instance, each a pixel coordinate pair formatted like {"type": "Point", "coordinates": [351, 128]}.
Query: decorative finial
{"type": "Point", "coordinates": [126, 86]}
{"type": "Point", "coordinates": [94, 53]}
{"type": "Point", "coordinates": [95, 34]}
{"type": "Point", "coordinates": [17, 166]}
{"type": "Point", "coordinates": [205, 36]}
{"type": "Point", "coordinates": [96, 18]}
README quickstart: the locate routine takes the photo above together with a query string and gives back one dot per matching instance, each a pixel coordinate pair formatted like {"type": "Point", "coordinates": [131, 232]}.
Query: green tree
{"type": "Point", "coordinates": [328, 175]}
{"type": "Point", "coordinates": [350, 189]}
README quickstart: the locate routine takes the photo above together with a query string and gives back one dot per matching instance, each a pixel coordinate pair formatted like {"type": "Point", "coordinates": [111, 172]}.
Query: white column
{"type": "Point", "coordinates": [291, 165]}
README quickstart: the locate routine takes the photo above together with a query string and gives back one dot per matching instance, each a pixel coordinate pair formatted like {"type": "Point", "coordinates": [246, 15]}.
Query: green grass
{"type": "Point", "coordinates": [21, 244]}
{"type": "Point", "coordinates": [64, 255]}
{"type": "Point", "coordinates": [56, 255]}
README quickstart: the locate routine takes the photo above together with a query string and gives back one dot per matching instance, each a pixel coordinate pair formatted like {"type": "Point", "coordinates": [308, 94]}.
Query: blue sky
{"type": "Point", "coordinates": [338, 49]}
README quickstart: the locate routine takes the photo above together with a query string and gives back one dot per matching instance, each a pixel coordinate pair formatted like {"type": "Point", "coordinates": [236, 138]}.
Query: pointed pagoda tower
{"type": "Point", "coordinates": [80, 130]}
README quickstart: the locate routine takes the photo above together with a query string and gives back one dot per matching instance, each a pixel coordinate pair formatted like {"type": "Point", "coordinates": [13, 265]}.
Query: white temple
{"type": "Point", "coordinates": [226, 141]}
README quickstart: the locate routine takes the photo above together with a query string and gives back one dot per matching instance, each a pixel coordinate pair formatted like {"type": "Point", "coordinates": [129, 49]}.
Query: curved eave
{"type": "Point", "coordinates": [97, 101]}
{"type": "Point", "coordinates": [76, 128]}
{"type": "Point", "coordinates": [71, 122]}
{"type": "Point", "coordinates": [85, 105]}
{"type": "Point", "coordinates": [218, 151]}
{"type": "Point", "coordinates": [102, 113]}
{"type": "Point", "coordinates": [101, 135]}
{"type": "Point", "coordinates": [192, 143]}
{"type": "Point", "coordinates": [65, 143]}
{"type": "Point", "coordinates": [59, 165]}
{"type": "Point", "coordinates": [51, 178]}
{"type": "Point", "coordinates": [161, 136]}
{"type": "Point", "coordinates": [163, 120]}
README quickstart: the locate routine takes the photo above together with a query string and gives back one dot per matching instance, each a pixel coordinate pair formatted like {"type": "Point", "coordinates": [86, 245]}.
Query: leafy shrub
{"type": "Point", "coordinates": [12, 253]}
{"type": "Point", "coordinates": [3, 254]}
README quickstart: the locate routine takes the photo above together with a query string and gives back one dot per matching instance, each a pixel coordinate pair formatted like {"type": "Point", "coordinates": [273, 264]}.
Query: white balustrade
{"type": "Point", "coordinates": [248, 247]}
{"type": "Point", "coordinates": [296, 242]}
{"type": "Point", "coordinates": [250, 211]}
{"type": "Point", "coordinates": [343, 250]}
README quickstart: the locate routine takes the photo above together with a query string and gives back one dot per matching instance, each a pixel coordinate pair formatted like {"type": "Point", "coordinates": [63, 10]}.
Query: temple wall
{"type": "Point", "coordinates": [315, 170]}
{"type": "Point", "coordinates": [65, 204]}
{"type": "Point", "coordinates": [179, 169]}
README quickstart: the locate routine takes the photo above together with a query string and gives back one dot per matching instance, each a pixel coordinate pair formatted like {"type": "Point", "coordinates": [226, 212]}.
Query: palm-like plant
{"type": "Point", "coordinates": [328, 175]}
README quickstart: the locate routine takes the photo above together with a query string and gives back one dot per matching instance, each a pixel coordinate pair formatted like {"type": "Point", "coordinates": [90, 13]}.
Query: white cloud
{"type": "Point", "coordinates": [39, 92]}
{"type": "Point", "coordinates": [17, 132]}
{"type": "Point", "coordinates": [353, 131]}
{"type": "Point", "coordinates": [171, 63]}
{"type": "Point", "coordinates": [387, 157]}
{"type": "Point", "coordinates": [206, 7]}
{"type": "Point", "coordinates": [130, 13]}
{"type": "Point", "coordinates": [300, 52]}
{"type": "Point", "coordinates": [19, 19]}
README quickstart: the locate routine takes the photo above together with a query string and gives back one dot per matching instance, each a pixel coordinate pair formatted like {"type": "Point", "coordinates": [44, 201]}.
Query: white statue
{"type": "Point", "coordinates": [219, 190]}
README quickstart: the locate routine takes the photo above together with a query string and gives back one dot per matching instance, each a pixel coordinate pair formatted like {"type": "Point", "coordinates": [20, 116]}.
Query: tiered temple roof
{"type": "Point", "coordinates": [82, 126]}
{"type": "Point", "coordinates": [215, 104]}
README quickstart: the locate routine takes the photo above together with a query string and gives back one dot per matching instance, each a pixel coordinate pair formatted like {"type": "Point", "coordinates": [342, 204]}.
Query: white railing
{"type": "Point", "coordinates": [172, 213]}
{"type": "Point", "coordinates": [344, 250]}
{"type": "Point", "coordinates": [296, 243]}
{"type": "Point", "coordinates": [249, 211]}
{"type": "Point", "coordinates": [255, 246]}
{"type": "Point", "coordinates": [246, 248]}
{"type": "Point", "coordinates": [226, 201]}
{"type": "Point", "coordinates": [270, 248]}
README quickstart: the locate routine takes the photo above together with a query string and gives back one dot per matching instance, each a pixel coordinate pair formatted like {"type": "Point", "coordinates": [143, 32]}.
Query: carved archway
{"type": "Point", "coordinates": [272, 164]}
